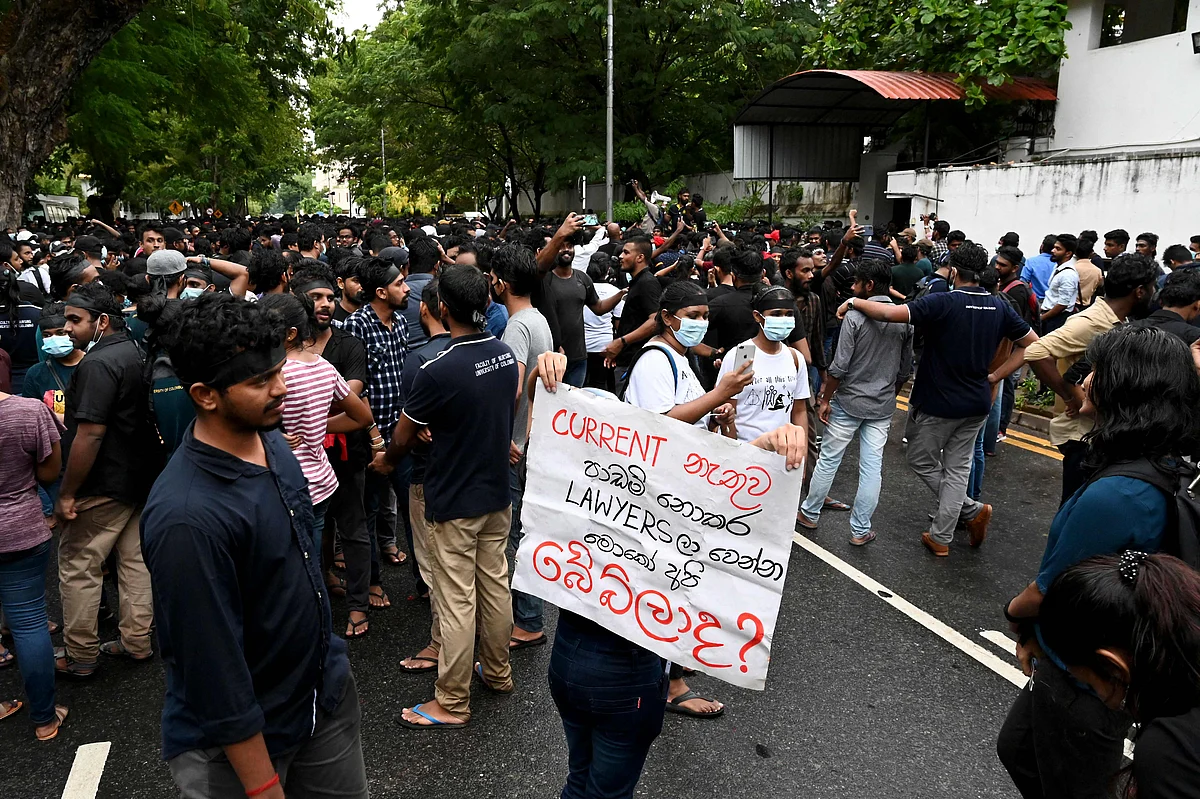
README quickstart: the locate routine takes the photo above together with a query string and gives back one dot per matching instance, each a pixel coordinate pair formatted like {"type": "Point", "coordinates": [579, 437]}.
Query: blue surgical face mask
{"type": "Point", "coordinates": [777, 328]}
{"type": "Point", "coordinates": [190, 293]}
{"type": "Point", "coordinates": [128, 303]}
{"type": "Point", "coordinates": [691, 331]}
{"type": "Point", "coordinates": [57, 346]}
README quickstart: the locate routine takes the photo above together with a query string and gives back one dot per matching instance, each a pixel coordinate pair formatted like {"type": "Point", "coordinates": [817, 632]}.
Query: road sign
{"type": "Point", "coordinates": [218, 214]}
{"type": "Point", "coordinates": [176, 207]}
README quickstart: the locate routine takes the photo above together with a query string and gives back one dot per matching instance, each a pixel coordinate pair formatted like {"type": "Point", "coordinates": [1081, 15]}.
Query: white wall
{"type": "Point", "coordinates": [1141, 95]}
{"type": "Point", "coordinates": [1160, 194]}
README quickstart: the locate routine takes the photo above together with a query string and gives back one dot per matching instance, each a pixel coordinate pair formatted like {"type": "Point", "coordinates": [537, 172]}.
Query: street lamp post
{"type": "Point", "coordinates": [608, 137]}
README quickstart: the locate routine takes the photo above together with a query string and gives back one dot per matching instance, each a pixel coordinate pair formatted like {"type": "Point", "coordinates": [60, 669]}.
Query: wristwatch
{"type": "Point", "coordinates": [850, 304]}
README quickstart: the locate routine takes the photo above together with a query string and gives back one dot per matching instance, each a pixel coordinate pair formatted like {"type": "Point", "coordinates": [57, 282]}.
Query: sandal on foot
{"type": "Point", "coordinates": [833, 504]}
{"type": "Point", "coordinates": [354, 625]}
{"type": "Point", "coordinates": [488, 685]}
{"type": "Point", "coordinates": [339, 561]}
{"type": "Point", "coordinates": [116, 648]}
{"type": "Point", "coordinates": [53, 627]}
{"type": "Point", "coordinates": [805, 523]}
{"type": "Point", "coordinates": [434, 724]}
{"type": "Point", "coordinates": [336, 588]}
{"type": "Point", "coordinates": [395, 556]}
{"type": "Point", "coordinates": [516, 643]}
{"type": "Point", "coordinates": [380, 595]}
{"type": "Point", "coordinates": [433, 664]}
{"type": "Point", "coordinates": [67, 666]}
{"type": "Point", "coordinates": [60, 715]}
{"type": "Point", "coordinates": [676, 706]}
{"type": "Point", "coordinates": [7, 658]}
{"type": "Point", "coordinates": [9, 707]}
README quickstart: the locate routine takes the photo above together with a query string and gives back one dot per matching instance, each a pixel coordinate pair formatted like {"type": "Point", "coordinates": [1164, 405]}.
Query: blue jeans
{"type": "Point", "coordinates": [872, 436]}
{"type": "Point", "coordinates": [23, 595]}
{"type": "Point", "coordinates": [611, 696]}
{"type": "Point", "coordinates": [1008, 400]}
{"type": "Point", "coordinates": [319, 524]}
{"type": "Point", "coordinates": [576, 373]}
{"type": "Point", "coordinates": [979, 462]}
{"type": "Point", "coordinates": [527, 610]}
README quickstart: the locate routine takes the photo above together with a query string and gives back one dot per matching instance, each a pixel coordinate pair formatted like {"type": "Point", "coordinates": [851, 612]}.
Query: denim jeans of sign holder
{"type": "Point", "coordinates": [528, 611]}
{"type": "Point", "coordinates": [985, 439]}
{"type": "Point", "coordinates": [841, 430]}
{"type": "Point", "coordinates": [611, 696]}
{"type": "Point", "coordinates": [23, 597]}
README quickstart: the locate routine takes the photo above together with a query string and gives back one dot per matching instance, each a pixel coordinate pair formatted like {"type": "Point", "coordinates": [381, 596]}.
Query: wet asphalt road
{"type": "Point", "coordinates": [861, 701]}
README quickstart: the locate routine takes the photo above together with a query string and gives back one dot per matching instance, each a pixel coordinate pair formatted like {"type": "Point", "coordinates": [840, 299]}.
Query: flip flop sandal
{"type": "Point", "coordinates": [516, 643]}
{"type": "Point", "coordinates": [676, 706]}
{"type": "Point", "coordinates": [53, 627]}
{"type": "Point", "coordinates": [833, 504]}
{"type": "Point", "coordinates": [395, 556]}
{"type": "Point", "coordinates": [354, 625]}
{"type": "Point", "coordinates": [60, 713]}
{"type": "Point", "coordinates": [387, 603]}
{"type": "Point", "coordinates": [73, 668]}
{"type": "Point", "coordinates": [805, 523]}
{"type": "Point", "coordinates": [116, 649]}
{"type": "Point", "coordinates": [9, 707]}
{"type": "Point", "coordinates": [338, 588]}
{"type": "Point", "coordinates": [435, 724]}
{"type": "Point", "coordinates": [488, 685]}
{"type": "Point", "coordinates": [339, 561]}
{"type": "Point", "coordinates": [432, 667]}
{"type": "Point", "coordinates": [7, 658]}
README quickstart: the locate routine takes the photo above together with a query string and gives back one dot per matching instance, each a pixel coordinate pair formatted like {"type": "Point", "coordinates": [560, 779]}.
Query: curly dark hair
{"type": "Point", "coordinates": [373, 274]}
{"type": "Point", "coordinates": [873, 270]}
{"type": "Point", "coordinates": [1147, 396]}
{"type": "Point", "coordinates": [211, 329]}
{"type": "Point", "coordinates": [103, 299]}
{"type": "Point", "coordinates": [64, 272]}
{"type": "Point", "coordinates": [969, 260]}
{"type": "Point", "coordinates": [309, 270]}
{"type": "Point", "coordinates": [267, 268]}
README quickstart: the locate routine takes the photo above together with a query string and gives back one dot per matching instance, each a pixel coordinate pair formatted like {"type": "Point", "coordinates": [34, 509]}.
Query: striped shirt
{"type": "Point", "coordinates": [311, 387]}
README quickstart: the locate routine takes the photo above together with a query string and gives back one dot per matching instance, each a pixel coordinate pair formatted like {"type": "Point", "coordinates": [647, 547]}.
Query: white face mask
{"type": "Point", "coordinates": [96, 336]}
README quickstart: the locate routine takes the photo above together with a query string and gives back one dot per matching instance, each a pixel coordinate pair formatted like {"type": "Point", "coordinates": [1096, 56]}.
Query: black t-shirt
{"type": "Point", "coordinates": [699, 217]}
{"type": "Point", "coordinates": [348, 355]}
{"type": "Point", "coordinates": [412, 364]}
{"type": "Point", "coordinates": [542, 300]}
{"type": "Point", "coordinates": [456, 395]}
{"type": "Point", "coordinates": [340, 315]}
{"type": "Point", "coordinates": [731, 318]}
{"type": "Point", "coordinates": [1166, 763]}
{"type": "Point", "coordinates": [1020, 293]}
{"type": "Point", "coordinates": [570, 295]}
{"type": "Point", "coordinates": [108, 388]}
{"type": "Point", "coordinates": [718, 290]}
{"type": "Point", "coordinates": [640, 304]}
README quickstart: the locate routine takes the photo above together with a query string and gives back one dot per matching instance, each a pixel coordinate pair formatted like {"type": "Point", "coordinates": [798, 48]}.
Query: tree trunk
{"type": "Point", "coordinates": [37, 74]}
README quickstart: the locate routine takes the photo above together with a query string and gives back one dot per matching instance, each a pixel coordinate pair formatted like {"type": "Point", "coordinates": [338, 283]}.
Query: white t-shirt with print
{"type": "Point", "coordinates": [766, 404]}
{"type": "Point", "coordinates": [654, 387]}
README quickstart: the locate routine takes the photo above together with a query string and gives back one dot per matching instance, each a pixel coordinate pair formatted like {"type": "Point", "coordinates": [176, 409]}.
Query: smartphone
{"type": "Point", "coordinates": [591, 220]}
{"type": "Point", "coordinates": [743, 353]}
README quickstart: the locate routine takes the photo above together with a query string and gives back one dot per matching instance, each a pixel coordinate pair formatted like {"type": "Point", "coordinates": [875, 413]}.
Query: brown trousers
{"type": "Point", "coordinates": [420, 530]}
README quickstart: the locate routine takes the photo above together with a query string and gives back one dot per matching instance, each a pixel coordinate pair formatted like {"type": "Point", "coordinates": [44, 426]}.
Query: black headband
{"type": "Point", "coordinates": [771, 300]}
{"type": "Point", "coordinates": [393, 272]}
{"type": "Point", "coordinates": [685, 301]}
{"type": "Point", "coordinates": [84, 303]}
{"type": "Point", "coordinates": [48, 322]}
{"type": "Point", "coordinates": [243, 366]}
{"type": "Point", "coordinates": [316, 283]}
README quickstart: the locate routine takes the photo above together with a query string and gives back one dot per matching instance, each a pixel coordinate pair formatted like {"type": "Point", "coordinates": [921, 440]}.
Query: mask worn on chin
{"type": "Point", "coordinates": [778, 328]}
{"type": "Point", "coordinates": [57, 346]}
{"type": "Point", "coordinates": [691, 331]}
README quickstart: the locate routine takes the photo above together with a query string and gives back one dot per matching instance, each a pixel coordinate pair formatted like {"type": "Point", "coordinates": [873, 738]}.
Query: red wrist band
{"type": "Point", "coordinates": [266, 786]}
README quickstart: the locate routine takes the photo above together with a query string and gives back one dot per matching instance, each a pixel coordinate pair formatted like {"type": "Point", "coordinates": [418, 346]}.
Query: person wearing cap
{"type": "Point", "coordinates": [467, 496]}
{"type": "Point", "coordinates": [166, 269]}
{"type": "Point", "coordinates": [260, 698]}
{"type": "Point", "coordinates": [110, 466]}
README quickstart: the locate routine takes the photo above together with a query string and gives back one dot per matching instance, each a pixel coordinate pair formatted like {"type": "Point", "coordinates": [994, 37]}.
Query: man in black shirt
{"type": "Point", "coordinates": [1180, 298]}
{"type": "Point", "coordinates": [570, 291]}
{"type": "Point", "coordinates": [260, 698]}
{"type": "Point", "coordinates": [641, 303]}
{"type": "Point", "coordinates": [730, 316]}
{"type": "Point", "coordinates": [111, 462]}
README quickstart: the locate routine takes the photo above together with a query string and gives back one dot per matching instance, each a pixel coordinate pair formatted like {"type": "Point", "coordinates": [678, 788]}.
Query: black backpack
{"type": "Point", "coordinates": [1179, 481]}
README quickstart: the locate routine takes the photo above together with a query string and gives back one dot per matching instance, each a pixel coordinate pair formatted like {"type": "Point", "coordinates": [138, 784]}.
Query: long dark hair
{"type": "Point", "coordinates": [1147, 396]}
{"type": "Point", "coordinates": [285, 311]}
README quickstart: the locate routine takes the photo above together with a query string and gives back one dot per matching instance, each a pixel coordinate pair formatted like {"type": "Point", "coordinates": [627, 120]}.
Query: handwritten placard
{"type": "Point", "coordinates": [672, 537]}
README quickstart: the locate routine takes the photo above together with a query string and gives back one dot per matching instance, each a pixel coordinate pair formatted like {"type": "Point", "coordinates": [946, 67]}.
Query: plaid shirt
{"type": "Point", "coordinates": [385, 361]}
{"type": "Point", "coordinates": [941, 251]}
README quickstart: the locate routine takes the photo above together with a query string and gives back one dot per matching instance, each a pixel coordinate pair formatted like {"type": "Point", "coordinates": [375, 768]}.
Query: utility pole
{"type": "Point", "coordinates": [383, 161]}
{"type": "Point", "coordinates": [608, 140]}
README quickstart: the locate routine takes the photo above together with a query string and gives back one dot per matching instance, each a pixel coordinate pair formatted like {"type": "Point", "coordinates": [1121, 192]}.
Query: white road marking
{"type": "Point", "coordinates": [1001, 641]}
{"type": "Point", "coordinates": [939, 628]}
{"type": "Point", "coordinates": [84, 780]}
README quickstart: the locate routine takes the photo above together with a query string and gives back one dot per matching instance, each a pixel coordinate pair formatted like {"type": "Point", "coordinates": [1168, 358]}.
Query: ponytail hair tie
{"type": "Point", "coordinates": [1131, 561]}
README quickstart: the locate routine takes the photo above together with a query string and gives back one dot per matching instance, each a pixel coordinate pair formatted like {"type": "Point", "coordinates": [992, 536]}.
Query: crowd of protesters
{"type": "Point", "coordinates": [321, 378]}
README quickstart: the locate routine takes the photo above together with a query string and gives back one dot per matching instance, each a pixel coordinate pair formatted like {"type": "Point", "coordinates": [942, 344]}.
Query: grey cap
{"type": "Point", "coordinates": [397, 255]}
{"type": "Point", "coordinates": [166, 262]}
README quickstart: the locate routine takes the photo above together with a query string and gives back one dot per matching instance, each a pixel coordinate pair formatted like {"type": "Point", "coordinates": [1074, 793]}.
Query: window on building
{"type": "Point", "coordinates": [1128, 21]}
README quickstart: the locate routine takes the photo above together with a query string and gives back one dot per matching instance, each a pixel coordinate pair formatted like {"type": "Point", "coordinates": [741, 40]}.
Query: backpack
{"type": "Point", "coordinates": [1034, 312]}
{"type": "Point", "coordinates": [925, 285]}
{"type": "Point", "coordinates": [170, 407]}
{"type": "Point", "coordinates": [629, 372]}
{"type": "Point", "coordinates": [1179, 481]}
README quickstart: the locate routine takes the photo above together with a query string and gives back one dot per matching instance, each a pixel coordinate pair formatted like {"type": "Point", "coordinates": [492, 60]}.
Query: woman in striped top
{"type": "Point", "coordinates": [314, 390]}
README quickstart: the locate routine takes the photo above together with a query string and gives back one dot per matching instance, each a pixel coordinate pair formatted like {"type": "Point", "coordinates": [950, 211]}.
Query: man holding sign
{"type": "Point", "coordinates": [640, 561]}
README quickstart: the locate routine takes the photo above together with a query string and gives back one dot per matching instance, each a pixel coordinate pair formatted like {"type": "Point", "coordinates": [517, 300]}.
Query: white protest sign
{"type": "Point", "coordinates": [673, 537]}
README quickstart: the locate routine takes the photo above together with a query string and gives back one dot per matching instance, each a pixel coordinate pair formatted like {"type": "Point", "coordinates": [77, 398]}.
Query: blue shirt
{"type": "Point", "coordinates": [962, 330]}
{"type": "Point", "coordinates": [239, 601]}
{"type": "Point", "coordinates": [1037, 273]}
{"type": "Point", "coordinates": [466, 396]}
{"type": "Point", "coordinates": [497, 319]}
{"type": "Point", "coordinates": [385, 363]}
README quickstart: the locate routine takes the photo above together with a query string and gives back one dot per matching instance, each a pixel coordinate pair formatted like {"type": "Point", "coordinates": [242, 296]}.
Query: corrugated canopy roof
{"type": "Point", "coordinates": [867, 98]}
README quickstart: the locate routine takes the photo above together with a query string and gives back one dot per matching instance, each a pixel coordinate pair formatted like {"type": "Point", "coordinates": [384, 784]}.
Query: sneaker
{"type": "Point", "coordinates": [859, 541]}
{"type": "Point", "coordinates": [1002, 436]}
{"type": "Point", "coordinates": [941, 550]}
{"type": "Point", "coordinates": [978, 527]}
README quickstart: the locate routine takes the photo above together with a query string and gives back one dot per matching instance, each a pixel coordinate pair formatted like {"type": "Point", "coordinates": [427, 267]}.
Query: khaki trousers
{"type": "Point", "coordinates": [470, 573]}
{"type": "Point", "coordinates": [102, 526]}
{"type": "Point", "coordinates": [420, 530]}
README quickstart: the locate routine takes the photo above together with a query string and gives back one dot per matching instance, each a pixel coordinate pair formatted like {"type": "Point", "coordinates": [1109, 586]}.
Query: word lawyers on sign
{"type": "Point", "coordinates": [672, 537]}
